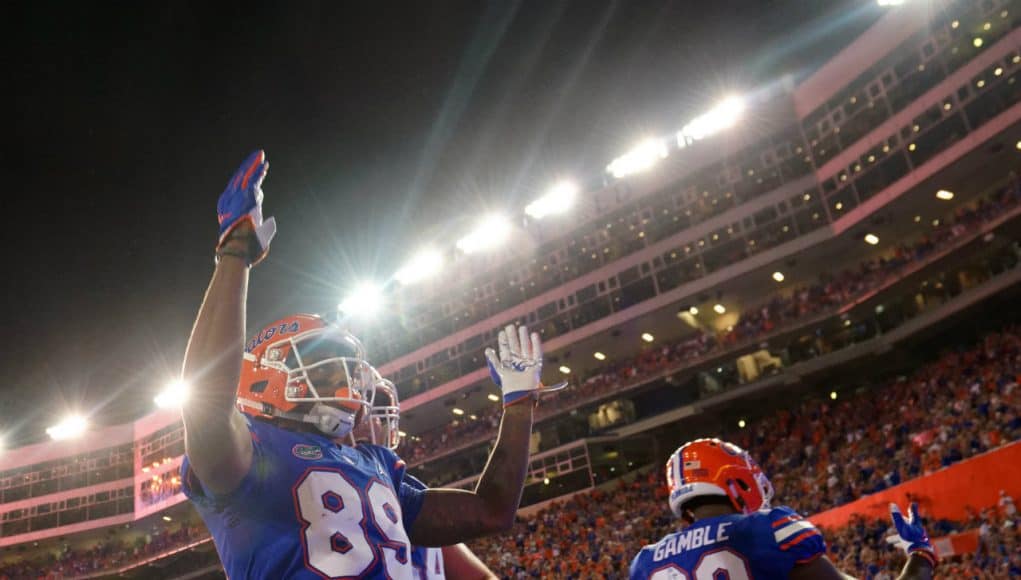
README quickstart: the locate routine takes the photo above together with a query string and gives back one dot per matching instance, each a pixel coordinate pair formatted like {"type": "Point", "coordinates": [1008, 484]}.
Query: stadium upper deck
{"type": "Point", "coordinates": [927, 92]}
{"type": "Point", "coordinates": [925, 104]}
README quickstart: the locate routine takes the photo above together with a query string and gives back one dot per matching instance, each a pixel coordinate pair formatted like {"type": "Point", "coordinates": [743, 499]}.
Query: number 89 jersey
{"type": "Point", "coordinates": [309, 508]}
{"type": "Point", "coordinates": [762, 545]}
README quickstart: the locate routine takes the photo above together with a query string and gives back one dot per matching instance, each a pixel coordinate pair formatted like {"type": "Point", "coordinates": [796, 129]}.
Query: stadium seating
{"type": "Point", "coordinates": [831, 292]}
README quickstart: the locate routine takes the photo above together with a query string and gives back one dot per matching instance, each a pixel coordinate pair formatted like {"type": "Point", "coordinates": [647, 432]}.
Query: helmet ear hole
{"type": "Point", "coordinates": [744, 486]}
{"type": "Point", "coordinates": [258, 387]}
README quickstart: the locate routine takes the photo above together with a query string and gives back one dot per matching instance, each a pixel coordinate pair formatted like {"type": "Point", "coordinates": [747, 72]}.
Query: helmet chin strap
{"type": "Point", "coordinates": [329, 420]}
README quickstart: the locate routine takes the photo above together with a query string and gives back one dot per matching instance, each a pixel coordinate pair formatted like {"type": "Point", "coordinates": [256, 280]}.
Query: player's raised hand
{"type": "Point", "coordinates": [241, 202]}
{"type": "Point", "coordinates": [518, 367]}
{"type": "Point", "coordinates": [911, 536]}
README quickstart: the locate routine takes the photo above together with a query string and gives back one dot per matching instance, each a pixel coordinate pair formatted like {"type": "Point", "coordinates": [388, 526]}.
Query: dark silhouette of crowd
{"type": "Point", "coordinates": [107, 555]}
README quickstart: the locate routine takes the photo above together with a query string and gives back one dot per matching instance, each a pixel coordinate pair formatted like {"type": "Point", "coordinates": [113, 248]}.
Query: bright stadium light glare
{"type": "Point", "coordinates": [693, 310]}
{"type": "Point", "coordinates": [557, 200]}
{"type": "Point", "coordinates": [643, 156]}
{"type": "Point", "coordinates": [173, 395]}
{"type": "Point", "coordinates": [492, 231]}
{"type": "Point", "coordinates": [364, 301]}
{"type": "Point", "coordinates": [426, 263]}
{"type": "Point", "coordinates": [945, 195]}
{"type": "Point", "coordinates": [778, 276]}
{"type": "Point", "coordinates": [723, 116]}
{"type": "Point", "coordinates": [871, 239]}
{"type": "Point", "coordinates": [647, 337]}
{"type": "Point", "coordinates": [493, 397]}
{"type": "Point", "coordinates": [719, 309]}
{"type": "Point", "coordinates": [565, 369]}
{"type": "Point", "coordinates": [599, 355]}
{"type": "Point", "coordinates": [457, 411]}
{"type": "Point", "coordinates": [70, 427]}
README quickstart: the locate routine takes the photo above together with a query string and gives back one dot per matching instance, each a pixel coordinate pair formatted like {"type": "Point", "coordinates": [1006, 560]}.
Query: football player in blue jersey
{"type": "Point", "coordinates": [268, 462]}
{"type": "Point", "coordinates": [731, 531]}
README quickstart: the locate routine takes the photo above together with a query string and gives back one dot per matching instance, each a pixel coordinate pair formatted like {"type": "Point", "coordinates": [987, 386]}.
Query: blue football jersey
{"type": "Point", "coordinates": [763, 545]}
{"type": "Point", "coordinates": [309, 508]}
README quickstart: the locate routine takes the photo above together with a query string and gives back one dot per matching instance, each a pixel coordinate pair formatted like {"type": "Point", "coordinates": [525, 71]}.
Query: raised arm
{"type": "Point", "coordinates": [910, 537]}
{"type": "Point", "coordinates": [451, 516]}
{"type": "Point", "coordinates": [217, 441]}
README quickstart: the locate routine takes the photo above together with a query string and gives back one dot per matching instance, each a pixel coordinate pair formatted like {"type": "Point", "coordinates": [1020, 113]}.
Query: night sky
{"type": "Point", "coordinates": [385, 124]}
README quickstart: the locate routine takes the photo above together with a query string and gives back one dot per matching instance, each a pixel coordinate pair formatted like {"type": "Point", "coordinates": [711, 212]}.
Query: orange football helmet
{"type": "Point", "coordinates": [711, 467]}
{"type": "Point", "coordinates": [303, 369]}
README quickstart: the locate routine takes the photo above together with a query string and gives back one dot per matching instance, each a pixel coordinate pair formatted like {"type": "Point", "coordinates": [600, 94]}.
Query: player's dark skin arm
{"type": "Point", "coordinates": [452, 516]}
{"type": "Point", "coordinates": [917, 568]}
{"type": "Point", "coordinates": [459, 562]}
{"type": "Point", "coordinates": [217, 441]}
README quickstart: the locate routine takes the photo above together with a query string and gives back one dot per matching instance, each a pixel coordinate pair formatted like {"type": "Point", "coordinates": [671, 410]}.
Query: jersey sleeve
{"type": "Point", "coordinates": [797, 539]}
{"type": "Point", "coordinates": [250, 484]}
{"type": "Point", "coordinates": [638, 569]}
{"type": "Point", "coordinates": [410, 491]}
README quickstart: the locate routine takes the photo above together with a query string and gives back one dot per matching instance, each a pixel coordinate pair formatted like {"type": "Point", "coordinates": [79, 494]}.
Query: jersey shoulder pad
{"type": "Point", "coordinates": [793, 535]}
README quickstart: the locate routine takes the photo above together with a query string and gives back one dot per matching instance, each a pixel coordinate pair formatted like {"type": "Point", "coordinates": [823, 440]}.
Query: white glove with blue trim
{"type": "Point", "coordinates": [518, 368]}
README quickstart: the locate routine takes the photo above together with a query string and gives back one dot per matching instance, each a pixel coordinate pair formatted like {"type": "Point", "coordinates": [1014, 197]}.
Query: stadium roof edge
{"type": "Point", "coordinates": [876, 42]}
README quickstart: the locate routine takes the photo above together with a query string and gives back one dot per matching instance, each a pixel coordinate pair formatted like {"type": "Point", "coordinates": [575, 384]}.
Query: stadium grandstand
{"type": "Point", "coordinates": [838, 294]}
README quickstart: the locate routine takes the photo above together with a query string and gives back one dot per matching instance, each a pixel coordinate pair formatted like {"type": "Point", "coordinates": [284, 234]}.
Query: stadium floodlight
{"type": "Point", "coordinates": [719, 309]}
{"type": "Point", "coordinates": [565, 369]}
{"type": "Point", "coordinates": [871, 239]}
{"type": "Point", "coordinates": [457, 411]}
{"type": "Point", "coordinates": [1017, 146]}
{"type": "Point", "coordinates": [693, 311]}
{"type": "Point", "coordinates": [70, 427]}
{"type": "Point", "coordinates": [492, 231]}
{"type": "Point", "coordinates": [648, 337]}
{"type": "Point", "coordinates": [493, 397]}
{"type": "Point", "coordinates": [742, 424]}
{"type": "Point", "coordinates": [643, 156]}
{"type": "Point", "coordinates": [364, 301]}
{"type": "Point", "coordinates": [945, 195]}
{"type": "Point", "coordinates": [778, 276]}
{"type": "Point", "coordinates": [599, 355]}
{"type": "Point", "coordinates": [557, 200]}
{"type": "Point", "coordinates": [833, 395]}
{"type": "Point", "coordinates": [424, 264]}
{"type": "Point", "coordinates": [723, 116]}
{"type": "Point", "coordinates": [173, 395]}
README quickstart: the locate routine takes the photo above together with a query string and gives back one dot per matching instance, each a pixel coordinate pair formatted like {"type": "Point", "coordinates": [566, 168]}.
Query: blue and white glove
{"type": "Point", "coordinates": [242, 201]}
{"type": "Point", "coordinates": [518, 369]}
{"type": "Point", "coordinates": [911, 536]}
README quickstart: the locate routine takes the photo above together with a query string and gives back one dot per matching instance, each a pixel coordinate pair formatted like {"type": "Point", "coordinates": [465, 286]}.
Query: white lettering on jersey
{"type": "Point", "coordinates": [721, 532]}
{"type": "Point", "coordinates": [690, 539]}
{"type": "Point", "coordinates": [698, 537]}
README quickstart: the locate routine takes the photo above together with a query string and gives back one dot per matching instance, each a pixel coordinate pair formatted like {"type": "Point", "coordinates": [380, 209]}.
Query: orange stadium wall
{"type": "Point", "coordinates": [943, 494]}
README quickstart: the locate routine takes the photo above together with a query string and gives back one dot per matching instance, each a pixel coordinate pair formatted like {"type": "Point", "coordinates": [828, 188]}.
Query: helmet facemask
{"type": "Point", "coordinates": [327, 374]}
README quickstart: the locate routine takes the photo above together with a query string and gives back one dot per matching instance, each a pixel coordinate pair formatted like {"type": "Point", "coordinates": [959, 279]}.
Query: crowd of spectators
{"type": "Point", "coordinates": [818, 456]}
{"type": "Point", "coordinates": [596, 534]}
{"type": "Point", "coordinates": [829, 293]}
{"type": "Point", "coordinates": [107, 555]}
{"type": "Point", "coordinates": [824, 453]}
{"type": "Point", "coordinates": [160, 487]}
